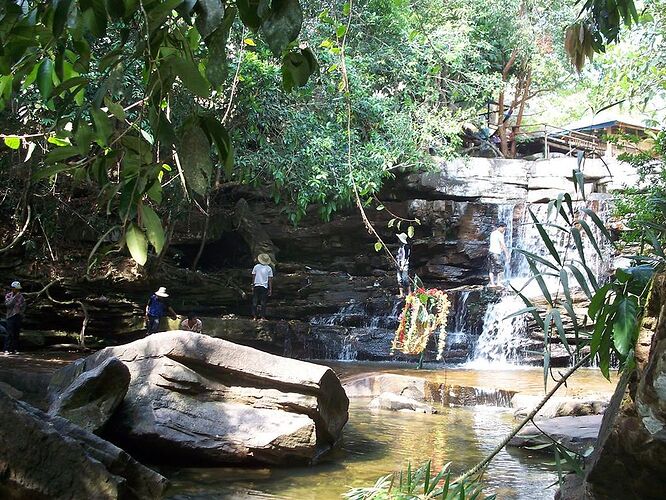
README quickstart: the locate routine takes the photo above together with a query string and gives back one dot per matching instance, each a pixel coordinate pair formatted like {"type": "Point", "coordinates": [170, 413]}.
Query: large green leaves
{"type": "Point", "coordinates": [297, 66]}
{"type": "Point", "coordinates": [625, 324]}
{"type": "Point", "coordinates": [137, 243]}
{"type": "Point", "coordinates": [281, 23]}
{"type": "Point", "coordinates": [154, 231]}
{"type": "Point", "coordinates": [194, 153]}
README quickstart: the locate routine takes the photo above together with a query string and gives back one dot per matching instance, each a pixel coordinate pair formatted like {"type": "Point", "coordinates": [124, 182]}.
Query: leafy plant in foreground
{"type": "Point", "coordinates": [420, 483]}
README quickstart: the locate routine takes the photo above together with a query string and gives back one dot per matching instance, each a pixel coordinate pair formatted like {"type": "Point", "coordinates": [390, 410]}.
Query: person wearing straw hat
{"type": "Point", "coordinates": [15, 303]}
{"type": "Point", "coordinates": [157, 308]}
{"type": "Point", "coordinates": [402, 260]}
{"type": "Point", "coordinates": [262, 285]}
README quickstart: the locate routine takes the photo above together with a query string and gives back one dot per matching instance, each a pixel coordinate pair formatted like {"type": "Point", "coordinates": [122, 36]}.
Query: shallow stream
{"type": "Point", "coordinates": [378, 443]}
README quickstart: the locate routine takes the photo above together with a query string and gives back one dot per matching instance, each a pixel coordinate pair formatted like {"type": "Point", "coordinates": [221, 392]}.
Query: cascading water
{"type": "Point", "coordinates": [356, 323]}
{"type": "Point", "coordinates": [504, 341]}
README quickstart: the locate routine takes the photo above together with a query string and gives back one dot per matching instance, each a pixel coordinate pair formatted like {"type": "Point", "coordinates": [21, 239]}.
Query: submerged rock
{"type": "Point", "coordinates": [193, 399]}
{"type": "Point", "coordinates": [90, 400]}
{"type": "Point", "coordinates": [575, 433]}
{"type": "Point", "coordinates": [43, 456]}
{"type": "Point", "coordinates": [558, 406]}
{"type": "Point", "coordinates": [395, 402]}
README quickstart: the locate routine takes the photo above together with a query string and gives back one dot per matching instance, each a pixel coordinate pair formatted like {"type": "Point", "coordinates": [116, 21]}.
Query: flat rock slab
{"type": "Point", "coordinates": [43, 456]}
{"type": "Point", "coordinates": [194, 399]}
{"type": "Point", "coordinates": [395, 402]}
{"type": "Point", "coordinates": [576, 433]}
{"type": "Point", "coordinates": [559, 406]}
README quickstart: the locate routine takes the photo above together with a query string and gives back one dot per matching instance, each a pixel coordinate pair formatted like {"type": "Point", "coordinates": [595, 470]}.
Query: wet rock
{"type": "Point", "coordinates": [575, 433]}
{"type": "Point", "coordinates": [93, 396]}
{"type": "Point", "coordinates": [43, 456]}
{"type": "Point", "coordinates": [372, 385]}
{"type": "Point", "coordinates": [197, 399]}
{"type": "Point", "coordinates": [558, 406]}
{"type": "Point", "coordinates": [396, 402]}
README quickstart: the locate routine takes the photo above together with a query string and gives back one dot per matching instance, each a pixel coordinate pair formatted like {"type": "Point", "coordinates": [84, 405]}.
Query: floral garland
{"type": "Point", "coordinates": [424, 314]}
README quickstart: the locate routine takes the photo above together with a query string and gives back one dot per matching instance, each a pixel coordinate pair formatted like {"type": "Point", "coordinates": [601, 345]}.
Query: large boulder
{"type": "Point", "coordinates": [90, 400]}
{"type": "Point", "coordinates": [197, 399]}
{"type": "Point", "coordinates": [43, 456]}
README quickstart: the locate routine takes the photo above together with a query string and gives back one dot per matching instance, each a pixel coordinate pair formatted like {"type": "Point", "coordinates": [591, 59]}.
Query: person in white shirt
{"type": "Point", "coordinates": [402, 261]}
{"type": "Point", "coordinates": [191, 324]}
{"type": "Point", "coordinates": [496, 251]}
{"type": "Point", "coordinates": [262, 285]}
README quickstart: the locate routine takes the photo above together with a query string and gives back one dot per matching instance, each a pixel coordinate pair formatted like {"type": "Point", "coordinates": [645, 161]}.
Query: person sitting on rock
{"type": "Point", "coordinates": [191, 324]}
{"type": "Point", "coordinates": [402, 260]}
{"type": "Point", "coordinates": [15, 303]}
{"type": "Point", "coordinates": [262, 283]}
{"type": "Point", "coordinates": [156, 309]}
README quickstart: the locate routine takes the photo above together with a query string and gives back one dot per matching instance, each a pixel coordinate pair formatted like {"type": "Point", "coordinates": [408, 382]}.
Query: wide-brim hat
{"type": "Point", "coordinates": [402, 237]}
{"type": "Point", "coordinates": [161, 292]}
{"type": "Point", "coordinates": [16, 285]}
{"type": "Point", "coordinates": [264, 259]}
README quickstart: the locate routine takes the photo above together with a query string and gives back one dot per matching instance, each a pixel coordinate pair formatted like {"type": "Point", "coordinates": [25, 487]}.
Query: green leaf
{"type": "Point", "coordinates": [216, 68]}
{"type": "Point", "coordinates": [194, 153]}
{"type": "Point", "coordinates": [45, 172]}
{"type": "Point", "coordinates": [155, 192]}
{"type": "Point", "coordinates": [410, 231]}
{"type": "Point", "coordinates": [297, 67]}
{"type": "Point", "coordinates": [534, 257]}
{"type": "Point", "coordinates": [378, 246]}
{"type": "Point", "coordinates": [12, 141]}
{"type": "Point", "coordinates": [590, 235]}
{"type": "Point", "coordinates": [598, 301]}
{"type": "Point", "coordinates": [581, 280]}
{"type": "Point", "coordinates": [247, 11]}
{"type": "Point", "coordinates": [189, 74]}
{"type": "Point", "coordinates": [545, 238]}
{"type": "Point", "coordinates": [579, 182]}
{"type": "Point", "coordinates": [137, 243]}
{"type": "Point", "coordinates": [575, 233]}
{"type": "Point", "coordinates": [542, 284]}
{"type": "Point", "coordinates": [151, 222]}
{"type": "Point", "coordinates": [625, 324]}
{"type": "Point", "coordinates": [115, 109]}
{"type": "Point", "coordinates": [60, 16]}
{"type": "Point", "coordinates": [531, 307]}
{"type": "Point", "coordinates": [219, 136]}
{"type": "Point", "coordinates": [597, 221]}
{"type": "Point", "coordinates": [45, 78]}
{"type": "Point", "coordinates": [103, 126]}
{"type": "Point", "coordinates": [281, 24]}
{"type": "Point", "coordinates": [557, 320]}
{"type": "Point", "coordinates": [209, 16]}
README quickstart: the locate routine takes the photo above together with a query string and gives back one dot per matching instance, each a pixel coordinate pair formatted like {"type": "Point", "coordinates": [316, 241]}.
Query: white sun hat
{"type": "Point", "coordinates": [16, 285]}
{"type": "Point", "coordinates": [162, 292]}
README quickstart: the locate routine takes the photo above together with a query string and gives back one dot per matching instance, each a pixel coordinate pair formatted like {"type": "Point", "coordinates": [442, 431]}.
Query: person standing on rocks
{"type": "Point", "coordinates": [496, 251]}
{"type": "Point", "coordinates": [157, 308]}
{"type": "Point", "coordinates": [262, 283]}
{"type": "Point", "coordinates": [15, 303]}
{"type": "Point", "coordinates": [402, 259]}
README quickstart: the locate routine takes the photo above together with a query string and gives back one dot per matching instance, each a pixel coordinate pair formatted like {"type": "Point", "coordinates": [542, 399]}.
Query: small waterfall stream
{"type": "Point", "coordinates": [505, 341]}
{"type": "Point", "coordinates": [358, 326]}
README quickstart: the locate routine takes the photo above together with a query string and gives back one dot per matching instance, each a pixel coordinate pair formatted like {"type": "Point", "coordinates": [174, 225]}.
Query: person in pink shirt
{"type": "Point", "coordinates": [15, 303]}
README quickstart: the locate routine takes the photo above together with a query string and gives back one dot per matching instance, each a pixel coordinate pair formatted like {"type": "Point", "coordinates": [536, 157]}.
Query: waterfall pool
{"type": "Point", "coordinates": [377, 443]}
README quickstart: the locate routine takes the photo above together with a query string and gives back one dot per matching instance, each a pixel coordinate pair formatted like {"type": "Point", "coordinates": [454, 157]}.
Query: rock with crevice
{"type": "Point", "coordinates": [43, 456]}
{"type": "Point", "coordinates": [93, 396]}
{"type": "Point", "coordinates": [197, 399]}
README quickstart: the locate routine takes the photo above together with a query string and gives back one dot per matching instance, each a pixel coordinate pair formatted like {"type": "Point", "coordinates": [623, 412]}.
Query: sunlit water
{"type": "Point", "coordinates": [378, 443]}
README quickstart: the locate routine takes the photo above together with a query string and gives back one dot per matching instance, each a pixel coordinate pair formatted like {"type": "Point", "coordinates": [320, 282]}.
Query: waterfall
{"type": "Point", "coordinates": [358, 326]}
{"type": "Point", "coordinates": [505, 341]}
